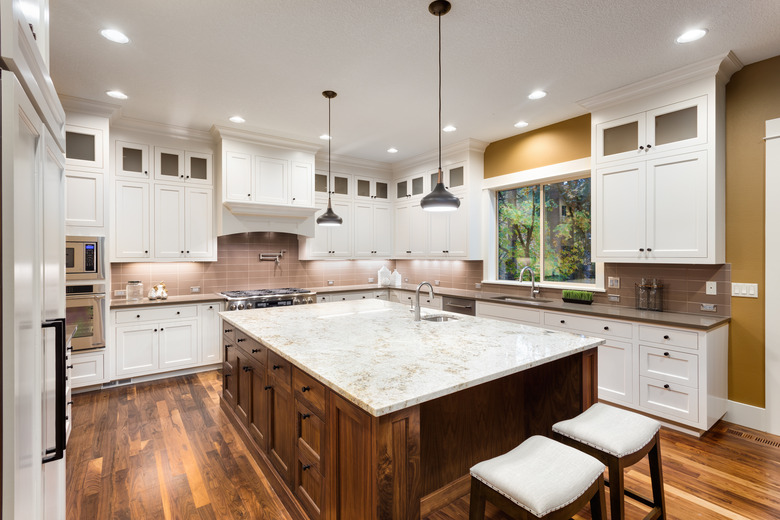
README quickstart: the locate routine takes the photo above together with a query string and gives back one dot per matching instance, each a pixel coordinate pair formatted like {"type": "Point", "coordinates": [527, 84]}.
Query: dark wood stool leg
{"type": "Point", "coordinates": [476, 501]}
{"type": "Point", "coordinates": [598, 503]}
{"type": "Point", "coordinates": [616, 504]}
{"type": "Point", "coordinates": [657, 476]}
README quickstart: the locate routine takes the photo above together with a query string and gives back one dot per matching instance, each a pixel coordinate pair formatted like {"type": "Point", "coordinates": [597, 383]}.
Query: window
{"type": "Point", "coordinates": [546, 225]}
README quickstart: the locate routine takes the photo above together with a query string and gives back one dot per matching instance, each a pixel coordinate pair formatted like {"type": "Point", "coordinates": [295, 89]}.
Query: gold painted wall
{"type": "Point", "coordinates": [752, 97]}
{"type": "Point", "coordinates": [557, 143]}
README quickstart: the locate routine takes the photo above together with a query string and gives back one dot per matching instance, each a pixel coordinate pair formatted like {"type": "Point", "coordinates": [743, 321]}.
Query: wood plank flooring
{"type": "Point", "coordinates": [164, 450]}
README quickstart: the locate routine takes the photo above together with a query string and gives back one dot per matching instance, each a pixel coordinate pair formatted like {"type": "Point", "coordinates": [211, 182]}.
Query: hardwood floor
{"type": "Point", "coordinates": [164, 450]}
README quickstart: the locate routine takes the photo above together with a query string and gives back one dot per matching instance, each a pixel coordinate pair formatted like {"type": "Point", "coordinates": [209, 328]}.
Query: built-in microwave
{"type": "Point", "coordinates": [84, 258]}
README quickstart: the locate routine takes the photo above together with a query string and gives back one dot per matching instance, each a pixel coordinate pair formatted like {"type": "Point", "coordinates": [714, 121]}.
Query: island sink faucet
{"type": "Point", "coordinates": [534, 290]}
{"type": "Point", "coordinates": [417, 298]}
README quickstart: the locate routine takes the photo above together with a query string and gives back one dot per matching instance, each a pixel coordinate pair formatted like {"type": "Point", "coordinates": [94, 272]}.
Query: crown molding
{"type": "Point", "coordinates": [89, 107]}
{"type": "Point", "coordinates": [467, 145]}
{"type": "Point", "coordinates": [347, 162]}
{"type": "Point", "coordinates": [264, 138]}
{"type": "Point", "coordinates": [161, 129]}
{"type": "Point", "coordinates": [720, 67]}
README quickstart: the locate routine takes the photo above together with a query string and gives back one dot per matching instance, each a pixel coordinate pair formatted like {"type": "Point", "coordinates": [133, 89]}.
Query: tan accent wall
{"type": "Point", "coordinates": [752, 97]}
{"type": "Point", "coordinates": [557, 143]}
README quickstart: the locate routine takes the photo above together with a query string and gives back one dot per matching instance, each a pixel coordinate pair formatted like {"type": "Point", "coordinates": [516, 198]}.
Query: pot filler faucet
{"type": "Point", "coordinates": [534, 290]}
{"type": "Point", "coordinates": [417, 298]}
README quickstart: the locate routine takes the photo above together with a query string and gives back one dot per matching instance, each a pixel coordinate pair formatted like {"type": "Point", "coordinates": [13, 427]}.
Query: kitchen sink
{"type": "Point", "coordinates": [438, 317]}
{"type": "Point", "coordinates": [519, 299]}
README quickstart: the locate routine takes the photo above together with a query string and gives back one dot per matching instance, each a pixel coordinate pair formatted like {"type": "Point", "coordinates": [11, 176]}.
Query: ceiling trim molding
{"type": "Point", "coordinates": [720, 67]}
{"type": "Point", "coordinates": [264, 139]}
{"type": "Point", "coordinates": [467, 145]}
{"type": "Point", "coordinates": [161, 129]}
{"type": "Point", "coordinates": [89, 107]}
{"type": "Point", "coordinates": [346, 162]}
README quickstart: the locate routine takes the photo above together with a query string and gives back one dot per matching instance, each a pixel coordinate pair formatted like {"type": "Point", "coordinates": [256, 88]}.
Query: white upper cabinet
{"type": "Point", "coordinates": [132, 160]}
{"type": "Point", "coordinates": [198, 168]}
{"type": "Point", "coordinates": [168, 164]}
{"type": "Point", "coordinates": [238, 176]}
{"type": "Point", "coordinates": [200, 240]}
{"type": "Point", "coordinates": [373, 230]}
{"type": "Point", "coordinates": [183, 223]}
{"type": "Point", "coordinates": [367, 188]}
{"type": "Point", "coordinates": [453, 177]}
{"type": "Point", "coordinates": [84, 196]}
{"type": "Point", "coordinates": [131, 221]}
{"type": "Point", "coordinates": [301, 184]}
{"type": "Point", "coordinates": [340, 185]}
{"type": "Point", "coordinates": [168, 221]}
{"type": "Point", "coordinates": [330, 241]}
{"type": "Point", "coordinates": [272, 177]}
{"type": "Point", "coordinates": [84, 147]}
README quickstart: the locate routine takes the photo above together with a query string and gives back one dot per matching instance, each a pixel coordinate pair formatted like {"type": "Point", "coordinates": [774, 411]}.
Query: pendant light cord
{"type": "Point", "coordinates": [440, 173]}
{"type": "Point", "coordinates": [330, 138]}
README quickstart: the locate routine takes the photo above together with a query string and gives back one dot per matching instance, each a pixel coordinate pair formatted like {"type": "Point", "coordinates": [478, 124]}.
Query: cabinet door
{"type": "Point", "coordinates": [84, 199]}
{"type": "Point", "coordinates": [197, 168]}
{"type": "Point", "coordinates": [168, 164]}
{"type": "Point", "coordinates": [199, 239]}
{"type": "Point", "coordinates": [678, 125]}
{"type": "Point", "coordinates": [620, 212]}
{"type": "Point", "coordinates": [401, 239]}
{"type": "Point", "coordinates": [168, 221]}
{"type": "Point", "coordinates": [210, 351]}
{"type": "Point", "coordinates": [280, 428]}
{"type": "Point", "coordinates": [364, 229]}
{"type": "Point", "coordinates": [616, 372]}
{"type": "Point", "coordinates": [341, 236]}
{"type": "Point", "coordinates": [83, 147]}
{"type": "Point", "coordinates": [131, 224]}
{"type": "Point", "coordinates": [229, 375]}
{"type": "Point", "coordinates": [621, 138]}
{"type": "Point", "coordinates": [238, 176]}
{"type": "Point", "coordinates": [418, 230]}
{"type": "Point", "coordinates": [258, 419]}
{"type": "Point", "coordinates": [301, 184]}
{"type": "Point", "coordinates": [677, 213]}
{"type": "Point", "coordinates": [178, 344]}
{"type": "Point", "coordinates": [270, 180]}
{"type": "Point", "coordinates": [383, 230]}
{"type": "Point", "coordinates": [132, 160]}
{"type": "Point", "coordinates": [244, 382]}
{"type": "Point", "coordinates": [458, 231]}
{"type": "Point", "coordinates": [137, 349]}
{"type": "Point", "coordinates": [319, 246]}
{"type": "Point", "coordinates": [438, 233]}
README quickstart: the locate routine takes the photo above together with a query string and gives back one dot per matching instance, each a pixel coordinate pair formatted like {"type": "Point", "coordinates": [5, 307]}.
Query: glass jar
{"type": "Point", "coordinates": [134, 290]}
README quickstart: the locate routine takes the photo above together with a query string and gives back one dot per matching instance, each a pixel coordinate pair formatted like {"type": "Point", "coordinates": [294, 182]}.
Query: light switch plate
{"type": "Point", "coordinates": [712, 288]}
{"type": "Point", "coordinates": [437, 282]}
{"type": "Point", "coordinates": [744, 290]}
{"type": "Point", "coordinates": [613, 282]}
{"type": "Point", "coordinates": [331, 282]}
{"type": "Point", "coordinates": [613, 297]}
{"type": "Point", "coordinates": [709, 307]}
{"type": "Point", "coordinates": [195, 289]}
{"type": "Point", "coordinates": [370, 279]}
{"type": "Point", "coordinates": [120, 292]}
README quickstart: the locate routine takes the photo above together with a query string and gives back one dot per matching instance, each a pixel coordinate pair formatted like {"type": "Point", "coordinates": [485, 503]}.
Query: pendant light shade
{"type": "Point", "coordinates": [440, 199]}
{"type": "Point", "coordinates": [329, 218]}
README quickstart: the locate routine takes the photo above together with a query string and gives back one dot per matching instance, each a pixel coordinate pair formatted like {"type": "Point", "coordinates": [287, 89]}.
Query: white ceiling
{"type": "Point", "coordinates": [194, 63]}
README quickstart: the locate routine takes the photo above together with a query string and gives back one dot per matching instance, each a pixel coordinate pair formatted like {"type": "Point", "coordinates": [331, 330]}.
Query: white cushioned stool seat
{"type": "Point", "coordinates": [540, 475]}
{"type": "Point", "coordinates": [610, 429]}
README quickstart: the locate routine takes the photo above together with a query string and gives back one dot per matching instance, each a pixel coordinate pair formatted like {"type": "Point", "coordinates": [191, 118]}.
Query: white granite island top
{"type": "Point", "coordinates": [373, 353]}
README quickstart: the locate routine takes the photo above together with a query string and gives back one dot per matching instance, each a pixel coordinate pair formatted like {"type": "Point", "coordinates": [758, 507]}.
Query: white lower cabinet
{"type": "Point", "coordinates": [87, 369]}
{"type": "Point", "coordinates": [673, 373]}
{"type": "Point", "coordinates": [379, 294]}
{"type": "Point", "coordinates": [210, 351]}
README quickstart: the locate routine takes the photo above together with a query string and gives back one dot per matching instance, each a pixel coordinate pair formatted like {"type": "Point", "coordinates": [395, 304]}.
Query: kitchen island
{"type": "Point", "coordinates": [355, 412]}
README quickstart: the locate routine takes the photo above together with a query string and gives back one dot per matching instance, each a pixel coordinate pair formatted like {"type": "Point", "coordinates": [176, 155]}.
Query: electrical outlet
{"type": "Point", "coordinates": [709, 307]}
{"type": "Point", "coordinates": [120, 293]}
{"type": "Point", "coordinates": [195, 289]}
{"type": "Point", "coordinates": [477, 286]}
{"type": "Point", "coordinates": [370, 279]}
{"type": "Point", "coordinates": [613, 297]}
{"type": "Point", "coordinates": [437, 282]}
{"type": "Point", "coordinates": [712, 288]}
{"type": "Point", "coordinates": [613, 282]}
{"type": "Point", "coordinates": [744, 290]}
{"type": "Point", "coordinates": [406, 280]}
{"type": "Point", "coordinates": [331, 282]}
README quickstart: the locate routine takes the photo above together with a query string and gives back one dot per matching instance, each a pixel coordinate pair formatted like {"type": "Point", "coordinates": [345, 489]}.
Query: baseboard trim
{"type": "Point", "coordinates": [746, 415]}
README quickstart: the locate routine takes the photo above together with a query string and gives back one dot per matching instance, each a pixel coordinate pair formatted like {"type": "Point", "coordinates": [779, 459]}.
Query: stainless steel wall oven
{"type": "Point", "coordinates": [85, 307]}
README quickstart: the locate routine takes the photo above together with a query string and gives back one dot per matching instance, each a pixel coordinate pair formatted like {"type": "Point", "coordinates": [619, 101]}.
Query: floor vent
{"type": "Point", "coordinates": [750, 437]}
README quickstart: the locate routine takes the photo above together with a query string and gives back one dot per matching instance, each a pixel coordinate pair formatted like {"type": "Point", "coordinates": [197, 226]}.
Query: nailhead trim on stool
{"type": "Point", "coordinates": [619, 439]}
{"type": "Point", "coordinates": [542, 477]}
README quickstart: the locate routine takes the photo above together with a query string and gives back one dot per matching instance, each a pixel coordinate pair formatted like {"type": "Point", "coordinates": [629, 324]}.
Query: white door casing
{"type": "Point", "coordinates": [772, 283]}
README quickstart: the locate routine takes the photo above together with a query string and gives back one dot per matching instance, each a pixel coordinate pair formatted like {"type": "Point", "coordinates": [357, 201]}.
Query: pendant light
{"type": "Point", "coordinates": [440, 199]}
{"type": "Point", "coordinates": [329, 218]}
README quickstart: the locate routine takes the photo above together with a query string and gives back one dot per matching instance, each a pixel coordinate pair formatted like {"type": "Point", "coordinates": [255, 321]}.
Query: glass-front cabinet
{"type": "Point", "coordinates": [409, 187]}
{"type": "Point", "coordinates": [340, 184]}
{"type": "Point", "coordinates": [678, 125]}
{"type": "Point", "coordinates": [371, 189]}
{"type": "Point", "coordinates": [453, 177]}
{"type": "Point", "coordinates": [84, 147]}
{"type": "Point", "coordinates": [132, 160]}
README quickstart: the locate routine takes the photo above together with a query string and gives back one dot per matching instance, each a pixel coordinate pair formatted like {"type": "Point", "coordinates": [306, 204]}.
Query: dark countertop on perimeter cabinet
{"type": "Point", "coordinates": [171, 300]}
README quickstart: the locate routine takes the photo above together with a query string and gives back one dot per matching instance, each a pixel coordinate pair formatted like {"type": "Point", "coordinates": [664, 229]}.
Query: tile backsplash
{"type": "Point", "coordinates": [239, 267]}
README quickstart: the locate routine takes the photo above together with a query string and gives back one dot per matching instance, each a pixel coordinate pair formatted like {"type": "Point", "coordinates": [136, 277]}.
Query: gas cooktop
{"type": "Point", "coordinates": [262, 298]}
{"type": "Point", "coordinates": [255, 293]}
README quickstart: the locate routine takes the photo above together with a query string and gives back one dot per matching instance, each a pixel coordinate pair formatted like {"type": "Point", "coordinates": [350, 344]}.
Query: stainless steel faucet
{"type": "Point", "coordinates": [534, 290]}
{"type": "Point", "coordinates": [417, 298]}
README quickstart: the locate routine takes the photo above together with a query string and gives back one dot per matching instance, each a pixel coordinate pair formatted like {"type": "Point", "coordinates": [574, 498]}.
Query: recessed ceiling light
{"type": "Point", "coordinates": [521, 124]}
{"type": "Point", "coordinates": [114, 36]}
{"type": "Point", "coordinates": [325, 137]}
{"type": "Point", "coordinates": [237, 119]}
{"type": "Point", "coordinates": [691, 36]}
{"type": "Point", "coordinates": [537, 94]}
{"type": "Point", "coordinates": [449, 128]}
{"type": "Point", "coordinates": [392, 150]}
{"type": "Point", "coordinates": [116, 94]}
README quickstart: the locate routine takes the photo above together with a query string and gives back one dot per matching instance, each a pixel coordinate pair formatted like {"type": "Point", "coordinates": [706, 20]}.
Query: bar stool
{"type": "Point", "coordinates": [619, 439]}
{"type": "Point", "coordinates": [540, 479]}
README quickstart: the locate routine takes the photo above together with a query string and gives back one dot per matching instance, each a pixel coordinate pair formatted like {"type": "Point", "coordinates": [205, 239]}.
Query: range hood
{"type": "Point", "coordinates": [246, 217]}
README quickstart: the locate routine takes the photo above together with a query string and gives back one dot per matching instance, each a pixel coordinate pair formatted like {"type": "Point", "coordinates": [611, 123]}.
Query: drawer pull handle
{"type": "Point", "coordinates": [247, 369]}
{"type": "Point", "coordinates": [305, 388]}
{"type": "Point", "coordinates": [256, 350]}
{"type": "Point", "coordinates": [70, 403]}
{"type": "Point", "coordinates": [642, 249]}
{"type": "Point", "coordinates": [277, 367]}
{"type": "Point", "coordinates": [666, 336]}
{"type": "Point", "coordinates": [305, 467]}
{"type": "Point", "coordinates": [305, 416]}
{"type": "Point", "coordinates": [267, 387]}
{"type": "Point", "coordinates": [563, 321]}
{"type": "Point", "coordinates": [69, 367]}
{"type": "Point", "coordinates": [606, 328]}
{"type": "Point", "coordinates": [228, 345]}
{"type": "Point", "coordinates": [228, 331]}
{"type": "Point", "coordinates": [666, 386]}
{"type": "Point", "coordinates": [666, 354]}
{"type": "Point", "coordinates": [239, 340]}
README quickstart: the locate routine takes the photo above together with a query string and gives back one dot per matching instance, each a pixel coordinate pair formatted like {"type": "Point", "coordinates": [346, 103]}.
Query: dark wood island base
{"type": "Point", "coordinates": [327, 459]}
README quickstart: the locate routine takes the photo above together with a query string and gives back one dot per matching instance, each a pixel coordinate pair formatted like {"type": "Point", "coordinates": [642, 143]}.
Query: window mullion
{"type": "Point", "coordinates": [541, 233]}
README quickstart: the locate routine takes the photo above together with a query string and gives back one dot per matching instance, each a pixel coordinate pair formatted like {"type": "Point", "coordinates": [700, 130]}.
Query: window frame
{"type": "Point", "coordinates": [539, 176]}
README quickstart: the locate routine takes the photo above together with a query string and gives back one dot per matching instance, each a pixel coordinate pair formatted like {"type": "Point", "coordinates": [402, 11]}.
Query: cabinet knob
{"type": "Point", "coordinates": [267, 387]}
{"type": "Point", "coordinates": [69, 403]}
{"type": "Point", "coordinates": [255, 350]}
{"type": "Point", "coordinates": [69, 367]}
{"type": "Point", "coordinates": [563, 321]}
{"type": "Point", "coordinates": [305, 416]}
{"type": "Point", "coordinates": [211, 306]}
{"type": "Point", "coordinates": [161, 329]}
{"type": "Point", "coordinates": [182, 252]}
{"type": "Point", "coordinates": [305, 467]}
{"type": "Point", "coordinates": [666, 336]}
{"type": "Point", "coordinates": [666, 354]}
{"type": "Point", "coordinates": [178, 312]}
{"type": "Point", "coordinates": [247, 369]}
{"type": "Point", "coordinates": [642, 249]}
{"type": "Point", "coordinates": [641, 147]}
{"type": "Point", "coordinates": [146, 252]}
{"type": "Point", "coordinates": [248, 194]}
{"type": "Point", "coordinates": [228, 331]}
{"type": "Point", "coordinates": [293, 198]}
{"type": "Point", "coordinates": [146, 172]}
{"type": "Point", "coordinates": [606, 328]}
{"type": "Point", "coordinates": [649, 249]}
{"type": "Point", "coordinates": [666, 386]}
{"type": "Point", "coordinates": [181, 176]}
{"type": "Point", "coordinates": [276, 367]}
{"type": "Point", "coordinates": [305, 388]}
{"type": "Point", "coordinates": [239, 340]}
{"type": "Point", "coordinates": [137, 315]}
{"type": "Point", "coordinates": [649, 146]}
{"type": "Point", "coordinates": [155, 330]}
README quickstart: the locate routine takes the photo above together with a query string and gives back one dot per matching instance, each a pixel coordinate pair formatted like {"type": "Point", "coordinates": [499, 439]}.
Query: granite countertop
{"type": "Point", "coordinates": [171, 300]}
{"type": "Point", "coordinates": [374, 354]}
{"type": "Point", "coordinates": [676, 319]}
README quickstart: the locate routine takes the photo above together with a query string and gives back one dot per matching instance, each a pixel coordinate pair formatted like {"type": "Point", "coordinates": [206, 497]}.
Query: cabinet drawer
{"type": "Point", "coordinates": [310, 390]}
{"type": "Point", "coordinates": [309, 488]}
{"type": "Point", "coordinates": [310, 434]}
{"type": "Point", "coordinates": [228, 331]}
{"type": "Point", "coordinates": [141, 314]}
{"type": "Point", "coordinates": [666, 336]}
{"type": "Point", "coordinates": [279, 368]}
{"type": "Point", "coordinates": [513, 313]}
{"type": "Point", "coordinates": [669, 399]}
{"type": "Point", "coordinates": [669, 366]}
{"type": "Point", "coordinates": [586, 325]}
{"type": "Point", "coordinates": [252, 347]}
{"type": "Point", "coordinates": [88, 369]}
